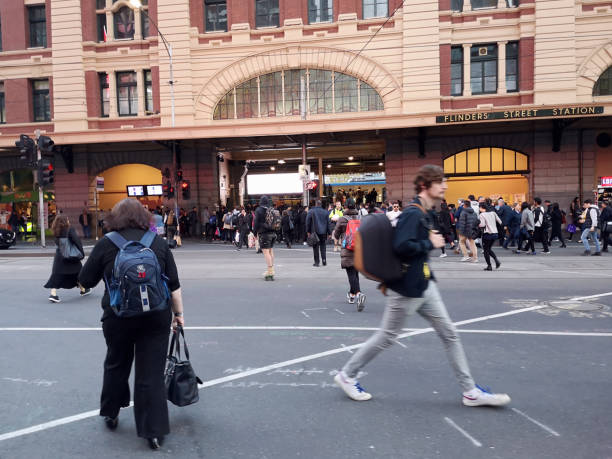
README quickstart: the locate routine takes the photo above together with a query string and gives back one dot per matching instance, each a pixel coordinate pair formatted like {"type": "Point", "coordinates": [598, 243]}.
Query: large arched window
{"type": "Point", "coordinates": [486, 161]}
{"type": "Point", "coordinates": [124, 23]}
{"type": "Point", "coordinates": [280, 94]}
{"type": "Point", "coordinates": [603, 87]}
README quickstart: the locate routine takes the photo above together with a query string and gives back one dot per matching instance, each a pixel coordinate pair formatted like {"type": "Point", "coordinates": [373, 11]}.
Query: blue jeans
{"type": "Point", "coordinates": [585, 234]}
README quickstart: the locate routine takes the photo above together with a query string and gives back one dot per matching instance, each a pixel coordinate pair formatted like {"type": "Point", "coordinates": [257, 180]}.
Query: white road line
{"type": "Point", "coordinates": [339, 311]}
{"type": "Point", "coordinates": [537, 423]}
{"type": "Point", "coordinates": [539, 333]}
{"type": "Point", "coordinates": [578, 272]}
{"type": "Point", "coordinates": [347, 349]}
{"type": "Point", "coordinates": [578, 298]}
{"type": "Point", "coordinates": [251, 372]}
{"type": "Point", "coordinates": [400, 343]}
{"type": "Point", "coordinates": [315, 309]}
{"type": "Point", "coordinates": [306, 315]}
{"type": "Point", "coordinates": [463, 432]}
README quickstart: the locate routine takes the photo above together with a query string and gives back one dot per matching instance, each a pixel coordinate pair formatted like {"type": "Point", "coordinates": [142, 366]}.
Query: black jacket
{"type": "Point", "coordinates": [444, 222]}
{"type": "Point", "coordinates": [285, 224]}
{"type": "Point", "coordinates": [100, 264]}
{"type": "Point", "coordinates": [467, 222]}
{"type": "Point", "coordinates": [605, 216]}
{"type": "Point", "coordinates": [505, 214]}
{"type": "Point", "coordinates": [412, 245]}
{"type": "Point", "coordinates": [317, 219]}
{"type": "Point", "coordinates": [61, 266]}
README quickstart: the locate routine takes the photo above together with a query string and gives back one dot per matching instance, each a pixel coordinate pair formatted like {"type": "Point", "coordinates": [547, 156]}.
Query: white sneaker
{"type": "Point", "coordinates": [443, 255]}
{"type": "Point", "coordinates": [350, 298]}
{"type": "Point", "coordinates": [481, 397]}
{"type": "Point", "coordinates": [351, 387]}
{"type": "Point", "coordinates": [466, 259]}
{"type": "Point", "coordinates": [360, 301]}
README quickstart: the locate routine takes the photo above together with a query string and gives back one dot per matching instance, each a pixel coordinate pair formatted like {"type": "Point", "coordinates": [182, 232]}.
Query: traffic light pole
{"type": "Point", "coordinates": [41, 204]}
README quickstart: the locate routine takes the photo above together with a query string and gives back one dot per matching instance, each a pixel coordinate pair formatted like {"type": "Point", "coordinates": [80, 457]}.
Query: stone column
{"type": "Point", "coordinates": [141, 92]}
{"type": "Point", "coordinates": [501, 67]}
{"type": "Point", "coordinates": [467, 87]}
{"type": "Point", "coordinates": [113, 111]}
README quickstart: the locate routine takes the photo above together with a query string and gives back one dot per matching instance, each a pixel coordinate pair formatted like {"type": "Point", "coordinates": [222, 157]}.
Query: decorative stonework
{"type": "Point", "coordinates": [591, 69]}
{"type": "Point", "coordinates": [296, 57]}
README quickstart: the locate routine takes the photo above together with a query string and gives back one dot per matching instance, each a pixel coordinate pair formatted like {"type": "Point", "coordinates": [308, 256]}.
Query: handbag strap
{"type": "Point", "coordinates": [176, 342]}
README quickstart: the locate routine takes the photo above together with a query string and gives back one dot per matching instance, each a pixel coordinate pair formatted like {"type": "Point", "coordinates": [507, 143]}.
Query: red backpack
{"type": "Point", "coordinates": [349, 235]}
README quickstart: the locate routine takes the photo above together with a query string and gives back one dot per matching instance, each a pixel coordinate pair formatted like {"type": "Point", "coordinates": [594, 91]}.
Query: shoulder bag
{"type": "Point", "coordinates": [69, 250]}
{"type": "Point", "coordinates": [181, 381]}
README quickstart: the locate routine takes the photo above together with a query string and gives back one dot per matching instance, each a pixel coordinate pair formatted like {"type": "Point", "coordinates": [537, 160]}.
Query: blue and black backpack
{"type": "Point", "coordinates": [137, 285]}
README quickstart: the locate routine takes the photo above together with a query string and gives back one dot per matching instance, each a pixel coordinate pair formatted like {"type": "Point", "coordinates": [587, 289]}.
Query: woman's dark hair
{"type": "Point", "coordinates": [483, 205]}
{"type": "Point", "coordinates": [555, 205]}
{"type": "Point", "coordinates": [350, 203]}
{"type": "Point", "coordinates": [524, 205]}
{"type": "Point", "coordinates": [427, 175]}
{"type": "Point", "coordinates": [127, 213]}
{"type": "Point", "coordinates": [60, 226]}
{"type": "Point", "coordinates": [285, 213]}
{"type": "Point", "coordinates": [443, 206]}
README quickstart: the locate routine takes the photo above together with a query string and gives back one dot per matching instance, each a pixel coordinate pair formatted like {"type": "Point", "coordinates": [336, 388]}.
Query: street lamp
{"type": "Point", "coordinates": [137, 4]}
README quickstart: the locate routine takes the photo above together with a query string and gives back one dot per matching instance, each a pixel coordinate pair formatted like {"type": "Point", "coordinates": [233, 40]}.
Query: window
{"type": "Point", "coordinates": [478, 4]}
{"type": "Point", "coordinates": [345, 93]}
{"type": "Point", "coordinates": [456, 70]}
{"type": "Point", "coordinates": [40, 100]}
{"type": "Point", "coordinates": [104, 95]}
{"type": "Point", "coordinates": [512, 57]}
{"type": "Point", "coordinates": [486, 161]}
{"type": "Point", "coordinates": [512, 3]}
{"type": "Point", "coordinates": [370, 99]}
{"type": "Point", "coordinates": [320, 11]}
{"type": "Point", "coordinates": [483, 71]}
{"type": "Point", "coordinates": [127, 93]}
{"type": "Point", "coordinates": [320, 91]}
{"type": "Point", "coordinates": [100, 4]}
{"type": "Point", "coordinates": [2, 109]}
{"type": "Point", "coordinates": [124, 23]}
{"type": "Point", "coordinates": [144, 22]}
{"type": "Point", "coordinates": [603, 87]}
{"type": "Point", "coordinates": [101, 21]}
{"type": "Point", "coordinates": [148, 81]}
{"type": "Point", "coordinates": [324, 91]}
{"type": "Point", "coordinates": [266, 13]}
{"type": "Point", "coordinates": [215, 15]}
{"type": "Point", "coordinates": [38, 26]}
{"type": "Point", "coordinates": [375, 8]}
{"type": "Point", "coordinates": [456, 5]}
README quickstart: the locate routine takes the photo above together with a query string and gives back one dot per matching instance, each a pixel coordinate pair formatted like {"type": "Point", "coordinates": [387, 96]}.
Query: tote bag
{"type": "Point", "coordinates": [69, 251]}
{"type": "Point", "coordinates": [181, 381]}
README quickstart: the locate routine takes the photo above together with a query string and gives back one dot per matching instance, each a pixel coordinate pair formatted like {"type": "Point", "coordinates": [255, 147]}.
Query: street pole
{"type": "Point", "coordinates": [303, 108]}
{"type": "Point", "coordinates": [41, 217]}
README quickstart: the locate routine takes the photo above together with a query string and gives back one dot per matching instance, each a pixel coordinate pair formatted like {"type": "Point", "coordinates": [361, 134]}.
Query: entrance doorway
{"type": "Point", "coordinates": [491, 172]}
{"type": "Point", "coordinates": [118, 178]}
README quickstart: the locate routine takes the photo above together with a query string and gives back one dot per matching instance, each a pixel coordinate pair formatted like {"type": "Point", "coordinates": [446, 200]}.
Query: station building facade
{"type": "Point", "coordinates": [513, 98]}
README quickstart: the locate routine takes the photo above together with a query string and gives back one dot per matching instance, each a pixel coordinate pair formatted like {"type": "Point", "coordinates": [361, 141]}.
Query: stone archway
{"type": "Point", "coordinates": [591, 69]}
{"type": "Point", "coordinates": [295, 57]}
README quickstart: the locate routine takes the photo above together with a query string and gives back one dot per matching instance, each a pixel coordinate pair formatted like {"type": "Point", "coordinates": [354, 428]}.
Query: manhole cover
{"type": "Point", "coordinates": [570, 305]}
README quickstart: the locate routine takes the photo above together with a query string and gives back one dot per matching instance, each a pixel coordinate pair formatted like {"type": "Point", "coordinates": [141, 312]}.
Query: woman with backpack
{"type": "Point", "coordinates": [65, 272]}
{"type": "Point", "coordinates": [266, 233]}
{"type": "Point", "coordinates": [142, 337]}
{"type": "Point", "coordinates": [346, 226]}
{"type": "Point", "coordinates": [286, 227]}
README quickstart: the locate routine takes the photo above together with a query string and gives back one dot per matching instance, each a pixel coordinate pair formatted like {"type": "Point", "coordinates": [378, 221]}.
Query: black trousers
{"type": "Point", "coordinates": [320, 247]}
{"type": "Point", "coordinates": [244, 237]}
{"type": "Point", "coordinates": [556, 231]}
{"type": "Point", "coordinates": [605, 237]}
{"type": "Point", "coordinates": [528, 236]}
{"type": "Point", "coordinates": [541, 235]}
{"type": "Point", "coordinates": [143, 340]}
{"type": "Point", "coordinates": [487, 244]}
{"type": "Point", "coordinates": [353, 277]}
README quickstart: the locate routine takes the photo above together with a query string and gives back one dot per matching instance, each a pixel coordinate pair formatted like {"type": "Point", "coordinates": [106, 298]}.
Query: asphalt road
{"type": "Point", "coordinates": [268, 352]}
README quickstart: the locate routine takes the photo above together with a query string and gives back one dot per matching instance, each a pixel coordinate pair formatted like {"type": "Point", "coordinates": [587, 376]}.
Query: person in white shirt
{"type": "Point", "coordinates": [394, 213]}
{"type": "Point", "coordinates": [488, 221]}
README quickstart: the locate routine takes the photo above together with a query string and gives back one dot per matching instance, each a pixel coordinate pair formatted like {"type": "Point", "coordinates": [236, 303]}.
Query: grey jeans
{"type": "Point", "coordinates": [430, 307]}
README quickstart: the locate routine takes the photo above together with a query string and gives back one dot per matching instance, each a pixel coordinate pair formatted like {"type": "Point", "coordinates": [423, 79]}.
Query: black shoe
{"type": "Point", "coordinates": [586, 253]}
{"type": "Point", "coordinates": [597, 254]}
{"type": "Point", "coordinates": [111, 423]}
{"type": "Point", "coordinates": [85, 292]}
{"type": "Point", "coordinates": [324, 263]}
{"type": "Point", "coordinates": [563, 246]}
{"type": "Point", "coordinates": [54, 299]}
{"type": "Point", "coordinates": [316, 265]}
{"type": "Point", "coordinates": [155, 442]}
{"type": "Point", "coordinates": [497, 264]}
{"type": "Point", "coordinates": [604, 250]}
{"type": "Point", "coordinates": [488, 268]}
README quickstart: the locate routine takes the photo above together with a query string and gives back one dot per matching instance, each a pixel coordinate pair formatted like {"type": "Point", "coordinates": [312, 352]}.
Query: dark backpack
{"type": "Point", "coordinates": [235, 219]}
{"type": "Point", "coordinates": [137, 284]}
{"type": "Point", "coordinates": [272, 221]}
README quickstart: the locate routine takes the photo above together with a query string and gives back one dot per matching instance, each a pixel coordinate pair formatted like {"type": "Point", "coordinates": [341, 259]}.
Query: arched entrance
{"type": "Point", "coordinates": [487, 171]}
{"type": "Point", "coordinates": [118, 178]}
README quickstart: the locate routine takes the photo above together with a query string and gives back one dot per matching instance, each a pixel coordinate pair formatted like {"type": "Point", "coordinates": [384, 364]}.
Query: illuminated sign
{"type": "Point", "coordinates": [135, 190]}
{"type": "Point", "coordinates": [520, 114]}
{"type": "Point", "coordinates": [606, 181]}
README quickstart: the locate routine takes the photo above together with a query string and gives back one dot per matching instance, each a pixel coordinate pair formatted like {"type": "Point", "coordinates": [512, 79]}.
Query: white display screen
{"type": "Point", "coordinates": [135, 190]}
{"type": "Point", "coordinates": [274, 184]}
{"type": "Point", "coordinates": [154, 190]}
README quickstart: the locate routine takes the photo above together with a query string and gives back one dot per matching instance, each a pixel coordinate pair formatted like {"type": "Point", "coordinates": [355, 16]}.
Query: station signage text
{"type": "Point", "coordinates": [520, 114]}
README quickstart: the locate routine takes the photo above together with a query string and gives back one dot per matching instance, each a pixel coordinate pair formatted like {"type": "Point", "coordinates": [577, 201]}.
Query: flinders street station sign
{"type": "Point", "coordinates": [560, 112]}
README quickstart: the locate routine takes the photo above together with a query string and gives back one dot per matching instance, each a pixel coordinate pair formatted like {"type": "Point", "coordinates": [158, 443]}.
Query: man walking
{"type": "Point", "coordinates": [505, 215]}
{"type": "Point", "coordinates": [466, 228]}
{"type": "Point", "coordinates": [317, 222]}
{"type": "Point", "coordinates": [606, 224]}
{"type": "Point", "coordinates": [590, 228]}
{"type": "Point", "coordinates": [416, 291]}
{"type": "Point", "coordinates": [541, 222]}
{"type": "Point", "coordinates": [192, 219]}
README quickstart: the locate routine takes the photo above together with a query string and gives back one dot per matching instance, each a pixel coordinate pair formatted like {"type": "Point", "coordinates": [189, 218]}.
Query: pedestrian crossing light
{"type": "Point", "coordinates": [168, 190]}
{"type": "Point", "coordinates": [45, 144]}
{"type": "Point", "coordinates": [46, 173]}
{"type": "Point", "coordinates": [186, 189]}
{"type": "Point", "coordinates": [27, 149]}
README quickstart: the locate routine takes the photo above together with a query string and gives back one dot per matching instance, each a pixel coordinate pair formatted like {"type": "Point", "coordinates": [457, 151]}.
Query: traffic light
{"type": "Point", "coordinates": [186, 189]}
{"type": "Point", "coordinates": [168, 190]}
{"type": "Point", "coordinates": [45, 144]}
{"type": "Point", "coordinates": [45, 173]}
{"type": "Point", "coordinates": [27, 149]}
{"type": "Point", "coordinates": [179, 175]}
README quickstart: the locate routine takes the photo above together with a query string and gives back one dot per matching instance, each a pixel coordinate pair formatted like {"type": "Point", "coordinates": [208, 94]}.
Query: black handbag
{"type": "Point", "coordinates": [181, 381]}
{"type": "Point", "coordinates": [69, 250]}
{"type": "Point", "coordinates": [313, 238]}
